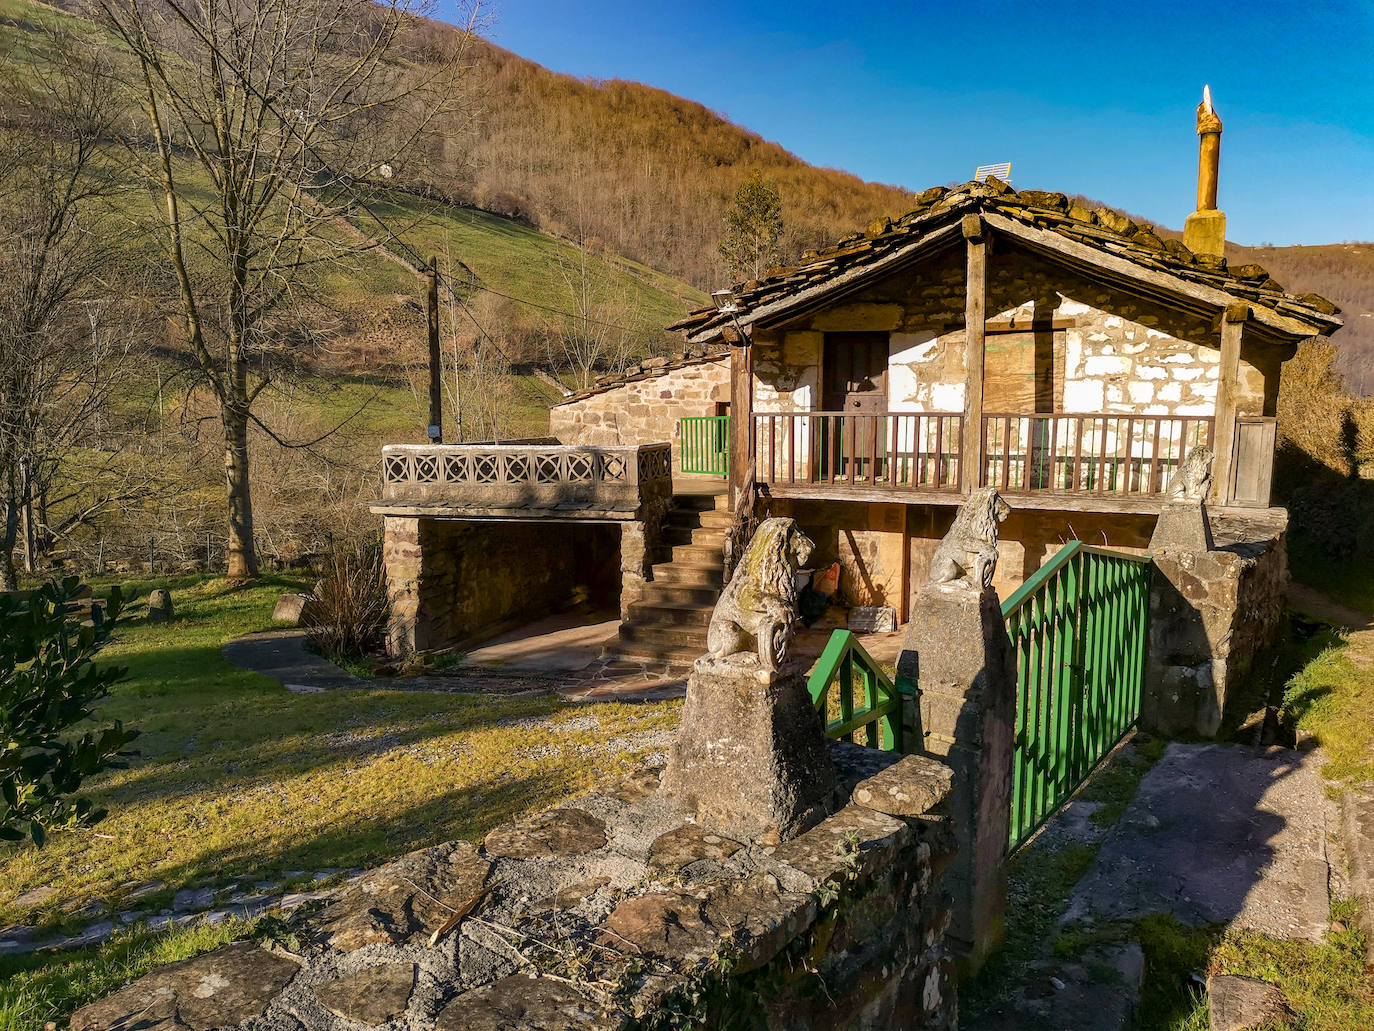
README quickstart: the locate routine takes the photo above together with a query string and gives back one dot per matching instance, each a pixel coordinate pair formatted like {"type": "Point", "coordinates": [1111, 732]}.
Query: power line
{"type": "Point", "coordinates": [417, 261]}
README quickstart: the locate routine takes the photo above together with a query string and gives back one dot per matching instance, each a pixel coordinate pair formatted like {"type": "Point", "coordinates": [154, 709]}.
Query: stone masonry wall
{"type": "Point", "coordinates": [644, 410]}
{"type": "Point", "coordinates": [1123, 355]}
{"type": "Point", "coordinates": [451, 581]}
{"type": "Point", "coordinates": [1211, 613]}
{"type": "Point", "coordinates": [613, 911]}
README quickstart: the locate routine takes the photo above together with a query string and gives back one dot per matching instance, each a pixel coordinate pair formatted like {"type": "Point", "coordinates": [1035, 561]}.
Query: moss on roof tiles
{"type": "Point", "coordinates": [1102, 229]}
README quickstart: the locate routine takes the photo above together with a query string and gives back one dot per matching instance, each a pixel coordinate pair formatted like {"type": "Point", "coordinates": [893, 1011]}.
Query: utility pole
{"type": "Point", "coordinates": [436, 383]}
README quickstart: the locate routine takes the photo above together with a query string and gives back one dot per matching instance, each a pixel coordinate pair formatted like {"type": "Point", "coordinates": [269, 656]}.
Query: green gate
{"type": "Point", "coordinates": [705, 441]}
{"type": "Point", "coordinates": [879, 717]}
{"type": "Point", "coordinates": [1079, 628]}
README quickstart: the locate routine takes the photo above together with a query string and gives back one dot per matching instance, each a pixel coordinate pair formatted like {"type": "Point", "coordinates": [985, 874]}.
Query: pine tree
{"type": "Point", "coordinates": [753, 227]}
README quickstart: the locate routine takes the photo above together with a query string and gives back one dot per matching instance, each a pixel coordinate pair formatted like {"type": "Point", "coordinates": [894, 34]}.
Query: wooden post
{"type": "Point", "coordinates": [436, 381]}
{"type": "Point", "coordinates": [741, 416]}
{"type": "Point", "coordinates": [1223, 445]}
{"type": "Point", "coordinates": [975, 320]}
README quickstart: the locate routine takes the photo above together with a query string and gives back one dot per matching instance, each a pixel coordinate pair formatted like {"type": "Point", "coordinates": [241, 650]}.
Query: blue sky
{"type": "Point", "coordinates": [1095, 99]}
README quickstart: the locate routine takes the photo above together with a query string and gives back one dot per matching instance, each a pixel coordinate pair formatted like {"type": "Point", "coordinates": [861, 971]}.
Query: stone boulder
{"type": "Point", "coordinates": [159, 605]}
{"type": "Point", "coordinates": [1243, 1003]}
{"type": "Point", "coordinates": [297, 610]}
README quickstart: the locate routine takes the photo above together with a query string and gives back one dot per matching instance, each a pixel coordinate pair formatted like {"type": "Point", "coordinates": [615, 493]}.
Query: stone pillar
{"type": "Point", "coordinates": [751, 759]}
{"type": "Point", "coordinates": [635, 564]}
{"type": "Point", "coordinates": [402, 557]}
{"type": "Point", "coordinates": [958, 653]}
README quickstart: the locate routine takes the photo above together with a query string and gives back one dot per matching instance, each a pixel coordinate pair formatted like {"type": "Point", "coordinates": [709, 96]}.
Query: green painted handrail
{"type": "Point", "coordinates": [1079, 628]}
{"type": "Point", "coordinates": [881, 717]}
{"type": "Point", "coordinates": [705, 441]}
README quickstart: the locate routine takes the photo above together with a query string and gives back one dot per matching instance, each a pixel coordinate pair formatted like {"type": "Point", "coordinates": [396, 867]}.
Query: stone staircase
{"type": "Point", "coordinates": [669, 623]}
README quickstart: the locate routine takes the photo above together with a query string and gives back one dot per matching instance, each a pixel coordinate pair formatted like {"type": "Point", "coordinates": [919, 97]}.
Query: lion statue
{"type": "Point", "coordinates": [1193, 479]}
{"type": "Point", "coordinates": [758, 608]}
{"type": "Point", "coordinates": [968, 554]}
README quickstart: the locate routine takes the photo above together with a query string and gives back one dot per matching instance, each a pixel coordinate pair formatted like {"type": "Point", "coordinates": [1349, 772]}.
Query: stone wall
{"type": "Point", "coordinates": [646, 408]}
{"type": "Point", "coordinates": [1122, 355]}
{"type": "Point", "coordinates": [611, 912]}
{"type": "Point", "coordinates": [1210, 614]}
{"type": "Point", "coordinates": [456, 581]}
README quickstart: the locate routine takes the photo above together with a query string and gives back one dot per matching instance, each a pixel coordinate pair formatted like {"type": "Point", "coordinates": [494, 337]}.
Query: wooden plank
{"type": "Point", "coordinates": [1224, 432]}
{"type": "Point", "coordinates": [742, 456]}
{"type": "Point", "coordinates": [975, 316]}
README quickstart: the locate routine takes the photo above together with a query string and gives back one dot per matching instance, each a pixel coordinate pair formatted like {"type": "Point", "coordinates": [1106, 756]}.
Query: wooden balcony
{"type": "Point", "coordinates": [1084, 461]}
{"type": "Point", "coordinates": [522, 480]}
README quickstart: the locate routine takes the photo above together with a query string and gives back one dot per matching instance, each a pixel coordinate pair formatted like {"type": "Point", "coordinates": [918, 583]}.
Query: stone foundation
{"type": "Point", "coordinates": [1211, 612]}
{"type": "Point", "coordinates": [610, 912]}
{"type": "Point", "coordinates": [454, 581]}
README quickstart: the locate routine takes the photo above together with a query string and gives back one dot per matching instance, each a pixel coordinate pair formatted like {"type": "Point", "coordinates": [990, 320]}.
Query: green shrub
{"type": "Point", "coordinates": [48, 686]}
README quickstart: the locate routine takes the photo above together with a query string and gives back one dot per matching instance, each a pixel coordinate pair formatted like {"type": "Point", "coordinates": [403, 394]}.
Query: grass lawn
{"type": "Point", "coordinates": [241, 780]}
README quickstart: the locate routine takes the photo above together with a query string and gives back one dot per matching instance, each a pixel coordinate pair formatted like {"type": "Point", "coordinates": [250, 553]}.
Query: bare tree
{"type": "Point", "coordinates": [269, 121]}
{"type": "Point", "coordinates": [58, 253]}
{"type": "Point", "coordinates": [599, 330]}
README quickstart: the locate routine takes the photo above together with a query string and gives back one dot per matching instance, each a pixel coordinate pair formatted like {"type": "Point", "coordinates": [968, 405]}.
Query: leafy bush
{"type": "Point", "coordinates": [350, 607]}
{"type": "Point", "coordinates": [49, 685]}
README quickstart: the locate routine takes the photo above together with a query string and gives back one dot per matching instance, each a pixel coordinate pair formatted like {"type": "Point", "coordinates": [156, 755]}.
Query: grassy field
{"type": "Point", "coordinates": [241, 780]}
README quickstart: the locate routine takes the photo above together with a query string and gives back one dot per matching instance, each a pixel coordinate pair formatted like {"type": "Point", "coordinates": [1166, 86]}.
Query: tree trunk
{"type": "Point", "coordinates": [9, 533]}
{"type": "Point", "coordinates": [240, 554]}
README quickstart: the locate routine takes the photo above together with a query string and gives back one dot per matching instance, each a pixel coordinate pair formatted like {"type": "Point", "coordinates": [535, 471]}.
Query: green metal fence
{"type": "Point", "coordinates": [705, 441]}
{"type": "Point", "coordinates": [1079, 628]}
{"type": "Point", "coordinates": [880, 718]}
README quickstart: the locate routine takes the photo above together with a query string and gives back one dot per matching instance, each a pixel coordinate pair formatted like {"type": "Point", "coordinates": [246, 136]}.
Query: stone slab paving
{"type": "Point", "coordinates": [1218, 834]}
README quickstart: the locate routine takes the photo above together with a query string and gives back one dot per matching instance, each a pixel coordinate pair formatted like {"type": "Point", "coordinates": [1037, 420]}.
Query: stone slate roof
{"type": "Point", "coordinates": [1103, 230]}
{"type": "Point", "coordinates": [649, 368]}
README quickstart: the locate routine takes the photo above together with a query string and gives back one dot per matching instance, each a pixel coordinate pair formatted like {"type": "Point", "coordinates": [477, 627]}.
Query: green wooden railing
{"type": "Point", "coordinates": [880, 719]}
{"type": "Point", "coordinates": [1079, 629]}
{"type": "Point", "coordinates": [705, 441]}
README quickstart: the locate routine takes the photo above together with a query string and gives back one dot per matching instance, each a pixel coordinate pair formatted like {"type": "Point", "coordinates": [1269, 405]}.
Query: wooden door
{"type": "Point", "coordinates": [854, 384]}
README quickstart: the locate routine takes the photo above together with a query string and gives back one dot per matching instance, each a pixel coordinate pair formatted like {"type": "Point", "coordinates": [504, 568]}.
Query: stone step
{"type": "Point", "coordinates": [660, 592]}
{"type": "Point", "coordinates": [670, 615]}
{"type": "Point", "coordinates": [674, 636]}
{"type": "Point", "coordinates": [706, 536]}
{"type": "Point", "coordinates": [706, 556]}
{"type": "Point", "coordinates": [691, 576]}
{"type": "Point", "coordinates": [693, 518]}
{"type": "Point", "coordinates": [695, 502]}
{"type": "Point", "coordinates": [675, 655]}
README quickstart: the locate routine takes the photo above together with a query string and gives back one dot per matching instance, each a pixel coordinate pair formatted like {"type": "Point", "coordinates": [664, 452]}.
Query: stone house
{"type": "Point", "coordinates": [1069, 358]}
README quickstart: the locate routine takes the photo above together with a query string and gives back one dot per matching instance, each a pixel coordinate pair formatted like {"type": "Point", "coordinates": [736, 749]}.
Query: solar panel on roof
{"type": "Point", "coordinates": [1001, 172]}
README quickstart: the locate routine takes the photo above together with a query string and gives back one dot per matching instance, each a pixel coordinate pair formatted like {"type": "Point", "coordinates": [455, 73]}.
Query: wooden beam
{"type": "Point", "coordinates": [975, 319]}
{"type": "Point", "coordinates": [1223, 445]}
{"type": "Point", "coordinates": [773, 313]}
{"type": "Point", "coordinates": [1212, 296]}
{"type": "Point", "coordinates": [741, 417]}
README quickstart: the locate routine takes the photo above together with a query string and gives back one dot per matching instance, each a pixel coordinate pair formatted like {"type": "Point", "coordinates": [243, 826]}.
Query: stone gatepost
{"type": "Point", "coordinates": [958, 652]}
{"type": "Point", "coordinates": [961, 660]}
{"type": "Point", "coordinates": [751, 760]}
{"type": "Point", "coordinates": [1211, 609]}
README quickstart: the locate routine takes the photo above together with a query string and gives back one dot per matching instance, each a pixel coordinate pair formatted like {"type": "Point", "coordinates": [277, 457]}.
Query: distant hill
{"type": "Point", "coordinates": [643, 178]}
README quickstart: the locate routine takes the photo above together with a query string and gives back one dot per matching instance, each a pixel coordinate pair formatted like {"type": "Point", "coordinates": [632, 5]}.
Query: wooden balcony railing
{"type": "Point", "coordinates": [1119, 455]}
{"type": "Point", "coordinates": [1108, 455]}
{"type": "Point", "coordinates": [899, 450]}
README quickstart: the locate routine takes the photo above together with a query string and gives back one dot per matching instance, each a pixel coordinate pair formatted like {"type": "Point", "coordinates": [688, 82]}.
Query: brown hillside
{"type": "Point", "coordinates": [646, 172]}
